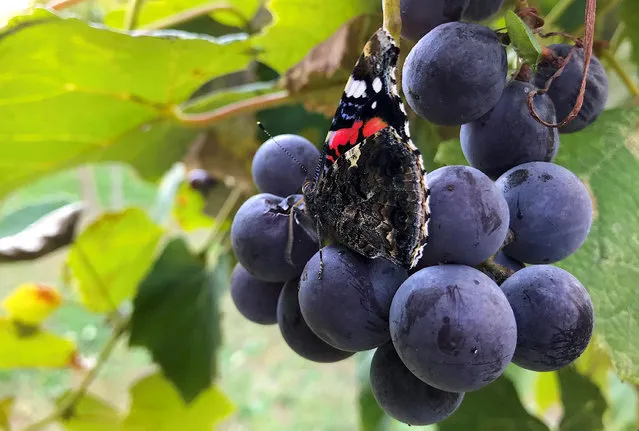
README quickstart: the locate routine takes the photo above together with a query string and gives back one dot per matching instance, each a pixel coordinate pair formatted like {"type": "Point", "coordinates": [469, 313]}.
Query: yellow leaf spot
{"type": "Point", "coordinates": [32, 303]}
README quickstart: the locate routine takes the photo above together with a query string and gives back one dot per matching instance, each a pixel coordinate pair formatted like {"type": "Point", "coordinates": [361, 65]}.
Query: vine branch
{"type": "Point", "coordinates": [63, 4]}
{"type": "Point", "coordinates": [392, 18]}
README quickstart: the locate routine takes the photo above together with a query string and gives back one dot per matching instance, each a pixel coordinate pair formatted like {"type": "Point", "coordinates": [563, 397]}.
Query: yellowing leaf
{"type": "Point", "coordinates": [189, 209]}
{"type": "Point", "coordinates": [547, 393]}
{"type": "Point", "coordinates": [28, 347]}
{"type": "Point", "coordinates": [157, 406]}
{"type": "Point", "coordinates": [32, 303]}
{"type": "Point", "coordinates": [112, 256]}
{"type": "Point", "coordinates": [6, 406]}
{"type": "Point", "coordinates": [92, 414]}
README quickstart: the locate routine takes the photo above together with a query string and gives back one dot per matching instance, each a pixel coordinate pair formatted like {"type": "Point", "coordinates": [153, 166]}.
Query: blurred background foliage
{"type": "Point", "coordinates": [109, 103]}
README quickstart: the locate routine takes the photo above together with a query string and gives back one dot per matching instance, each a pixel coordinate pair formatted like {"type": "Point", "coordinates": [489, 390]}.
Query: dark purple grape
{"type": "Point", "coordinates": [283, 163]}
{"type": "Point", "coordinates": [554, 315]}
{"type": "Point", "coordinates": [550, 212]}
{"type": "Point", "coordinates": [255, 299]}
{"type": "Point", "coordinates": [508, 135]}
{"type": "Point", "coordinates": [296, 332]}
{"type": "Point", "coordinates": [478, 10]}
{"type": "Point", "coordinates": [455, 74]}
{"type": "Point", "coordinates": [200, 180]}
{"type": "Point", "coordinates": [469, 217]}
{"type": "Point", "coordinates": [403, 396]}
{"type": "Point", "coordinates": [565, 89]}
{"type": "Point", "coordinates": [348, 307]}
{"type": "Point", "coordinates": [453, 327]}
{"type": "Point", "coordinates": [260, 235]}
{"type": "Point", "coordinates": [421, 16]}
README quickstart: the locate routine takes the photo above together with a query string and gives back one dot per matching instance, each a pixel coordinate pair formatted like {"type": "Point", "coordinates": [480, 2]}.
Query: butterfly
{"type": "Point", "coordinates": [369, 190]}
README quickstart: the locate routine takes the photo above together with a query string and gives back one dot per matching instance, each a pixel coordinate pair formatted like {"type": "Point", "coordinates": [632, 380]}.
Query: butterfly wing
{"type": "Point", "coordinates": [370, 190]}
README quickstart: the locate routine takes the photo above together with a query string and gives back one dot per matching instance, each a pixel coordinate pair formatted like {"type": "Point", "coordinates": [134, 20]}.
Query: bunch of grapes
{"type": "Point", "coordinates": [484, 293]}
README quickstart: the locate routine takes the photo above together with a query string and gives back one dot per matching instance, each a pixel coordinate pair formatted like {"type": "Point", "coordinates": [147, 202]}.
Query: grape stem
{"type": "Point", "coordinates": [591, 7]}
{"type": "Point", "coordinates": [558, 9]}
{"type": "Point", "coordinates": [621, 72]}
{"type": "Point", "coordinates": [392, 18]}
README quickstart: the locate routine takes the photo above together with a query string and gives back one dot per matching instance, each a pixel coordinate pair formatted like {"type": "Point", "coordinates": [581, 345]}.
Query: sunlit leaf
{"type": "Point", "coordinates": [523, 40]}
{"type": "Point", "coordinates": [91, 414]}
{"type": "Point", "coordinates": [110, 258]}
{"type": "Point", "coordinates": [31, 303]}
{"type": "Point", "coordinates": [157, 406]}
{"type": "Point", "coordinates": [41, 236]}
{"type": "Point", "coordinates": [188, 210]}
{"type": "Point", "coordinates": [175, 316]}
{"type": "Point", "coordinates": [29, 347]}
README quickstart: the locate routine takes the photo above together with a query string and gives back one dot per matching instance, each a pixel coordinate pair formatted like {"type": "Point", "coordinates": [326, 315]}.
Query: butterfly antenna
{"type": "Point", "coordinates": [284, 150]}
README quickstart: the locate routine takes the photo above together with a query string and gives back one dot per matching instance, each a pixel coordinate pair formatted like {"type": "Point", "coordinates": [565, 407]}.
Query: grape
{"type": "Point", "coordinates": [565, 88]}
{"type": "Point", "coordinates": [508, 135]}
{"type": "Point", "coordinates": [296, 332]}
{"type": "Point", "coordinates": [348, 307]}
{"type": "Point", "coordinates": [200, 180]}
{"type": "Point", "coordinates": [279, 173]}
{"type": "Point", "coordinates": [478, 10]}
{"type": "Point", "coordinates": [255, 299]}
{"type": "Point", "coordinates": [550, 212]}
{"type": "Point", "coordinates": [469, 217]}
{"type": "Point", "coordinates": [554, 315]}
{"type": "Point", "coordinates": [260, 234]}
{"type": "Point", "coordinates": [453, 327]}
{"type": "Point", "coordinates": [405, 397]}
{"type": "Point", "coordinates": [421, 16]}
{"type": "Point", "coordinates": [455, 73]}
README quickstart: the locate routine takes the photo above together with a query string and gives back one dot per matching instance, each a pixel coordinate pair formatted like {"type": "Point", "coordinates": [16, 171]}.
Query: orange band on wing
{"type": "Point", "coordinates": [373, 126]}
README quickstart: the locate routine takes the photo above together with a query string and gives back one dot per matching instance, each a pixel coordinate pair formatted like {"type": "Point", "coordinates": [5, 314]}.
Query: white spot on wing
{"type": "Point", "coordinates": [355, 88]}
{"type": "Point", "coordinates": [407, 129]}
{"type": "Point", "coordinates": [374, 105]}
{"type": "Point", "coordinates": [352, 156]}
{"type": "Point", "coordinates": [377, 85]}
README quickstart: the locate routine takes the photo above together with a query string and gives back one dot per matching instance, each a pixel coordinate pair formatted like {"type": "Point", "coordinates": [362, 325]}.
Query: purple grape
{"type": "Point", "coordinates": [554, 315]}
{"type": "Point", "coordinates": [421, 16]}
{"type": "Point", "coordinates": [469, 217]}
{"type": "Point", "coordinates": [260, 235]}
{"type": "Point", "coordinates": [296, 332]}
{"type": "Point", "coordinates": [282, 164]}
{"type": "Point", "coordinates": [478, 10]}
{"type": "Point", "coordinates": [255, 299]}
{"type": "Point", "coordinates": [565, 89]}
{"type": "Point", "coordinates": [348, 307]}
{"type": "Point", "coordinates": [453, 327]}
{"type": "Point", "coordinates": [200, 180]}
{"type": "Point", "coordinates": [550, 212]}
{"type": "Point", "coordinates": [403, 396]}
{"type": "Point", "coordinates": [455, 74]}
{"type": "Point", "coordinates": [508, 135]}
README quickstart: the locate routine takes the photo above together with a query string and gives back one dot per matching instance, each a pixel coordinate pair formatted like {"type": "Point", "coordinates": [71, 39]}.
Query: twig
{"type": "Point", "coordinates": [605, 10]}
{"type": "Point", "coordinates": [591, 6]}
{"type": "Point", "coordinates": [63, 4]}
{"type": "Point", "coordinates": [621, 72]}
{"type": "Point", "coordinates": [189, 14]}
{"type": "Point", "coordinates": [241, 107]}
{"type": "Point", "coordinates": [558, 9]}
{"type": "Point", "coordinates": [392, 18]}
{"type": "Point", "coordinates": [221, 215]}
{"type": "Point", "coordinates": [132, 13]}
{"type": "Point", "coordinates": [68, 404]}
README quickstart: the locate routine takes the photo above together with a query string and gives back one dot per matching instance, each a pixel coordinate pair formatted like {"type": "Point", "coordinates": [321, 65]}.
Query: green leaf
{"type": "Point", "coordinates": [91, 414]}
{"type": "Point", "coordinates": [6, 407]}
{"type": "Point", "coordinates": [495, 407]}
{"type": "Point", "coordinates": [605, 156]}
{"type": "Point", "coordinates": [112, 256]}
{"type": "Point", "coordinates": [176, 318]}
{"type": "Point", "coordinates": [19, 220]}
{"type": "Point", "coordinates": [450, 153]}
{"type": "Point", "coordinates": [39, 236]}
{"type": "Point", "coordinates": [524, 41]}
{"type": "Point", "coordinates": [188, 210]}
{"type": "Point", "coordinates": [299, 25]}
{"type": "Point", "coordinates": [157, 406]}
{"type": "Point", "coordinates": [371, 416]}
{"type": "Point", "coordinates": [584, 405]}
{"type": "Point", "coordinates": [74, 94]}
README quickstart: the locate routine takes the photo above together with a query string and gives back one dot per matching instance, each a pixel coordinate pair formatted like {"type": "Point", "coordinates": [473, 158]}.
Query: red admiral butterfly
{"type": "Point", "coordinates": [369, 192]}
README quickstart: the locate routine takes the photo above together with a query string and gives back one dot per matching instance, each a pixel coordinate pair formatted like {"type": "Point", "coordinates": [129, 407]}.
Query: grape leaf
{"type": "Point", "coordinates": [606, 157]}
{"type": "Point", "coordinates": [112, 256]}
{"type": "Point", "coordinates": [524, 41]}
{"type": "Point", "coordinates": [157, 406]}
{"type": "Point", "coordinates": [175, 317]}
{"type": "Point", "coordinates": [584, 405]}
{"type": "Point", "coordinates": [25, 347]}
{"type": "Point", "coordinates": [42, 236]}
{"type": "Point", "coordinates": [72, 93]}
{"type": "Point", "coordinates": [299, 25]}
{"type": "Point", "coordinates": [189, 209]}
{"type": "Point", "coordinates": [495, 407]}
{"type": "Point", "coordinates": [91, 413]}
{"type": "Point", "coordinates": [19, 220]}
{"type": "Point", "coordinates": [31, 303]}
